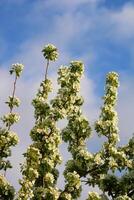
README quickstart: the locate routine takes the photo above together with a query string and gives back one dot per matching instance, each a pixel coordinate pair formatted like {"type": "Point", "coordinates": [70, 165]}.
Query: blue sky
{"type": "Point", "coordinates": [88, 28]}
{"type": "Point", "coordinates": [98, 32]}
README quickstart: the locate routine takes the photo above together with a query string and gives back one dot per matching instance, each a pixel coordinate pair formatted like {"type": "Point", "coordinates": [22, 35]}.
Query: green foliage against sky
{"type": "Point", "coordinates": [39, 170]}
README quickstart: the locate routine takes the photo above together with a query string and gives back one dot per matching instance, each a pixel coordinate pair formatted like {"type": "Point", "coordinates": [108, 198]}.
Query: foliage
{"type": "Point", "coordinates": [39, 170]}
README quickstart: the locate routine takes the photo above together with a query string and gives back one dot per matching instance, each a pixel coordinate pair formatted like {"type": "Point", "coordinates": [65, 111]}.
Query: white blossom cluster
{"type": "Point", "coordinates": [94, 196]}
{"type": "Point", "coordinates": [39, 170]}
{"type": "Point", "coordinates": [17, 69]}
{"type": "Point", "coordinates": [6, 190]}
{"type": "Point", "coordinates": [77, 130]}
{"type": "Point", "coordinates": [46, 138]}
{"type": "Point", "coordinates": [50, 52]}
{"type": "Point", "coordinates": [10, 118]}
{"type": "Point", "coordinates": [9, 138]}
{"type": "Point", "coordinates": [110, 158]}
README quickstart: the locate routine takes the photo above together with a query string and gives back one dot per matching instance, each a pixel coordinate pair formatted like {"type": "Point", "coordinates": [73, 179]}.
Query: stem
{"type": "Point", "coordinates": [46, 69]}
{"type": "Point", "coordinates": [13, 93]}
{"type": "Point", "coordinates": [11, 108]}
{"type": "Point", "coordinates": [5, 173]}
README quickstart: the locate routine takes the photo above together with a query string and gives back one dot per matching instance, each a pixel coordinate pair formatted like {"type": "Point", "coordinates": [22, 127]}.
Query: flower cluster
{"type": "Point", "coordinates": [12, 102]}
{"type": "Point", "coordinates": [44, 134]}
{"type": "Point", "coordinates": [77, 130]}
{"type": "Point", "coordinates": [50, 52]}
{"type": "Point", "coordinates": [29, 172]}
{"type": "Point", "coordinates": [110, 158]}
{"type": "Point", "coordinates": [9, 138]}
{"type": "Point", "coordinates": [67, 100]}
{"type": "Point", "coordinates": [73, 186]}
{"type": "Point", "coordinates": [6, 190]}
{"type": "Point", "coordinates": [107, 126]}
{"type": "Point", "coordinates": [17, 69]}
{"type": "Point", "coordinates": [94, 196]}
{"type": "Point", "coordinates": [10, 118]}
{"type": "Point", "coordinates": [46, 138]}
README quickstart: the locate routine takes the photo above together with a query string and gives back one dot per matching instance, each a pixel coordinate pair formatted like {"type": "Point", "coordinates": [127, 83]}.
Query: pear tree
{"type": "Point", "coordinates": [39, 170]}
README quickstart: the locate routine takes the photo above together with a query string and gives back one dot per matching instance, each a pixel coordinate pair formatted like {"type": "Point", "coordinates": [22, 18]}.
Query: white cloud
{"type": "Point", "coordinates": [91, 100]}
{"type": "Point", "coordinates": [122, 21]}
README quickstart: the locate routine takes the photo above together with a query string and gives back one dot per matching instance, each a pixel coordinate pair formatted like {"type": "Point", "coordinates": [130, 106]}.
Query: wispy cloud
{"type": "Point", "coordinates": [123, 22]}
